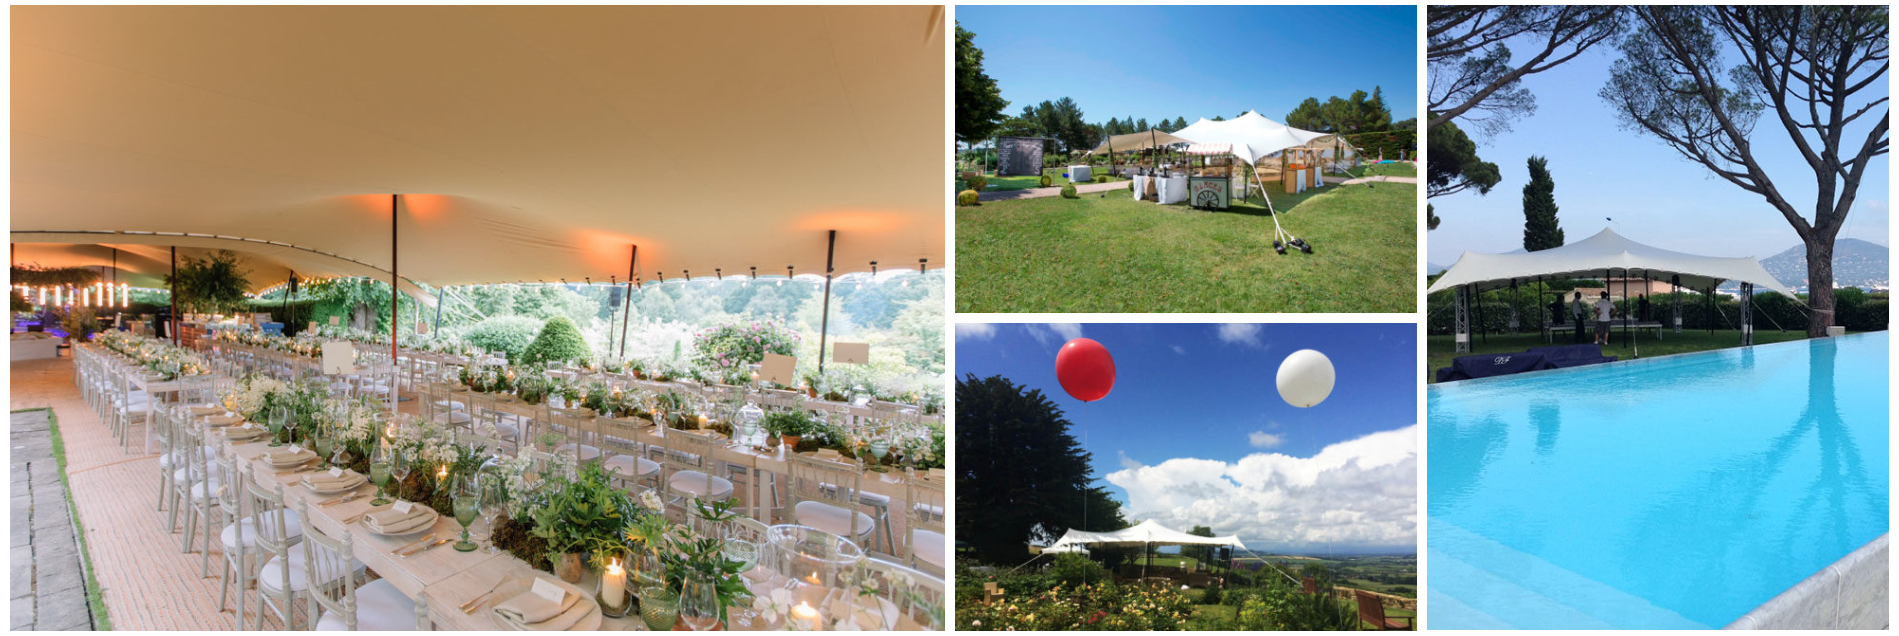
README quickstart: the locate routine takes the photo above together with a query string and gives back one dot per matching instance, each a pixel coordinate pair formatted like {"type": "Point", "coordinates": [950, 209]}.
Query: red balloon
{"type": "Point", "coordinates": [1085, 369]}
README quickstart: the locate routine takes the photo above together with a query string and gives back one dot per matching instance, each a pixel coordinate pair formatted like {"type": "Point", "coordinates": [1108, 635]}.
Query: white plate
{"type": "Point", "coordinates": [589, 623]}
{"type": "Point", "coordinates": [434, 517]}
{"type": "Point", "coordinates": [358, 483]}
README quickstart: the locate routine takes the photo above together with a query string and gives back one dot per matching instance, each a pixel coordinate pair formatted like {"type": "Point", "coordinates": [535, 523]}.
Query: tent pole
{"type": "Point", "coordinates": [395, 289]}
{"type": "Point", "coordinates": [824, 323]}
{"type": "Point", "coordinates": [171, 326]}
{"type": "Point", "coordinates": [626, 299]}
{"type": "Point", "coordinates": [440, 299]}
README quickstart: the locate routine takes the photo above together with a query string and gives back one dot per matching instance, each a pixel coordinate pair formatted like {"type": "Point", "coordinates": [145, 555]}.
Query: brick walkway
{"type": "Point", "coordinates": [148, 584]}
{"type": "Point", "coordinates": [48, 585]}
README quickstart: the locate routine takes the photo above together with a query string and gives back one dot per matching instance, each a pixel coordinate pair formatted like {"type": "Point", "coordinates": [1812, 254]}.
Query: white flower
{"type": "Point", "coordinates": [651, 501]}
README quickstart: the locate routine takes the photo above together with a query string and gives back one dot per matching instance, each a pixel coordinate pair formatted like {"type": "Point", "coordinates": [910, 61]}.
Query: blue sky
{"type": "Point", "coordinates": [1193, 62]}
{"type": "Point", "coordinates": [1654, 195]}
{"type": "Point", "coordinates": [1195, 432]}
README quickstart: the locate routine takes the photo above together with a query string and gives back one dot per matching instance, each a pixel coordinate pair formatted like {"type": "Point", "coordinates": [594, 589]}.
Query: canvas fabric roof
{"type": "Point", "coordinates": [529, 143]}
{"type": "Point", "coordinates": [1607, 250]}
{"type": "Point", "coordinates": [1253, 136]}
{"type": "Point", "coordinates": [1144, 533]}
{"type": "Point", "coordinates": [1138, 141]}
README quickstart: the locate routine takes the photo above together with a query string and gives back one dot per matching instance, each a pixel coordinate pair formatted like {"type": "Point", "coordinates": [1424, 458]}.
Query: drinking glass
{"type": "Point", "coordinates": [325, 443]}
{"type": "Point", "coordinates": [279, 416]}
{"type": "Point", "coordinates": [468, 498]}
{"type": "Point", "coordinates": [379, 473]}
{"type": "Point", "coordinates": [699, 603]}
{"type": "Point", "coordinates": [400, 464]}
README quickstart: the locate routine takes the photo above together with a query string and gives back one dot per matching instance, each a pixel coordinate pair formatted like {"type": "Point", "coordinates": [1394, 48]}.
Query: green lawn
{"type": "Point", "coordinates": [1399, 169]}
{"type": "Point", "coordinates": [1439, 350]}
{"type": "Point", "coordinates": [1024, 182]}
{"type": "Point", "coordinates": [1168, 560]}
{"type": "Point", "coordinates": [1106, 252]}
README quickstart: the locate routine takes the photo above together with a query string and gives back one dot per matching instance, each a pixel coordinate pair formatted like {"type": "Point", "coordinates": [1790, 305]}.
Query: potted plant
{"type": "Point", "coordinates": [700, 555]}
{"type": "Point", "coordinates": [583, 516]}
{"type": "Point", "coordinates": [790, 426]}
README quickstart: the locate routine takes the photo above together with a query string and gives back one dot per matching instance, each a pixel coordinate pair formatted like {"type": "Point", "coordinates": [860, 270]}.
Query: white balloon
{"type": "Point", "coordinates": [1305, 378]}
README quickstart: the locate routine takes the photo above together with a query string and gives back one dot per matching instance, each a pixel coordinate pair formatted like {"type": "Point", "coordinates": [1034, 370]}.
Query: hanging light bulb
{"type": "Point", "coordinates": [125, 295]}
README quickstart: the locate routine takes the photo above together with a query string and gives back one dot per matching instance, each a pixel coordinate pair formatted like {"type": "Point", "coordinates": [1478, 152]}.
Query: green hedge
{"type": "Point", "coordinates": [559, 341]}
{"type": "Point", "coordinates": [504, 335]}
{"type": "Point", "coordinates": [1857, 310]}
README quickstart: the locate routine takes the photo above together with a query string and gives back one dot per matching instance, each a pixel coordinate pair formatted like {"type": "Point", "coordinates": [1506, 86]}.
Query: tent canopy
{"type": "Point", "coordinates": [528, 143]}
{"type": "Point", "coordinates": [1138, 141]}
{"type": "Point", "coordinates": [1253, 136]}
{"type": "Point", "coordinates": [1145, 533]}
{"type": "Point", "coordinates": [1590, 257]}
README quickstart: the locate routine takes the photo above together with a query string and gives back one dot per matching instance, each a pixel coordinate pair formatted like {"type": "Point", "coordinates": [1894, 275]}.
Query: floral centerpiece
{"type": "Point", "coordinates": [741, 344]}
{"type": "Point", "coordinates": [580, 517]}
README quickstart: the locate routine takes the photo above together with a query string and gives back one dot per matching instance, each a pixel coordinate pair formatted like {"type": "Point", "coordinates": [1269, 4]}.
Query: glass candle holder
{"type": "Point", "coordinates": [811, 556]}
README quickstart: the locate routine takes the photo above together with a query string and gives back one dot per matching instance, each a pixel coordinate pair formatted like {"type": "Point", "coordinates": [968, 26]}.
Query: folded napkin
{"type": "Point", "coordinates": [391, 518]}
{"type": "Point", "coordinates": [237, 433]}
{"type": "Point", "coordinates": [325, 481]}
{"type": "Point", "coordinates": [287, 456]}
{"type": "Point", "coordinates": [206, 410]}
{"type": "Point", "coordinates": [527, 609]}
{"type": "Point", "coordinates": [223, 420]}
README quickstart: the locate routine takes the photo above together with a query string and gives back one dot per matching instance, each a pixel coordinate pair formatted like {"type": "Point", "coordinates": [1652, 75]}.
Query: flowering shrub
{"type": "Point", "coordinates": [738, 344]}
{"type": "Point", "coordinates": [1093, 606]}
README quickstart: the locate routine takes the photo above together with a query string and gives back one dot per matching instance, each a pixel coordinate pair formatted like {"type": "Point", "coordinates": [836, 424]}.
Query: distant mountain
{"type": "Point", "coordinates": [1433, 269]}
{"type": "Point", "coordinates": [1856, 263]}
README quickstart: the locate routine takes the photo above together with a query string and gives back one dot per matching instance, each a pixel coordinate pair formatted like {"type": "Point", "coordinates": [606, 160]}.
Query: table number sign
{"type": "Point", "coordinates": [851, 353]}
{"type": "Point", "coordinates": [336, 320]}
{"type": "Point", "coordinates": [339, 358]}
{"type": "Point", "coordinates": [778, 368]}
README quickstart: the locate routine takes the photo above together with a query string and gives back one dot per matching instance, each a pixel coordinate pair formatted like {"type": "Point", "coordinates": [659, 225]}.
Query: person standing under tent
{"type": "Point", "coordinates": [1605, 311]}
{"type": "Point", "coordinates": [1576, 311]}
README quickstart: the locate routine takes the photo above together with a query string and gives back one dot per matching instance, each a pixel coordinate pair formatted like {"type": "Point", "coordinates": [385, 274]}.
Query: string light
{"type": "Point", "coordinates": [125, 295]}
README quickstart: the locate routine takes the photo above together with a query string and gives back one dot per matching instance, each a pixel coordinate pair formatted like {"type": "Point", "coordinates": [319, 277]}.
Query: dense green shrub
{"type": "Point", "coordinates": [978, 182]}
{"type": "Point", "coordinates": [559, 341]}
{"type": "Point", "coordinates": [966, 198]}
{"type": "Point", "coordinates": [1068, 192]}
{"type": "Point", "coordinates": [504, 335]}
{"type": "Point", "coordinates": [1075, 570]}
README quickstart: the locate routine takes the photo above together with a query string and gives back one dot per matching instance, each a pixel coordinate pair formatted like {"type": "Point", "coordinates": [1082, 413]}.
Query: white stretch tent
{"type": "Point", "coordinates": [1606, 251]}
{"type": "Point", "coordinates": [1252, 135]}
{"type": "Point", "coordinates": [1138, 141]}
{"type": "Point", "coordinates": [1145, 533]}
{"type": "Point", "coordinates": [528, 143]}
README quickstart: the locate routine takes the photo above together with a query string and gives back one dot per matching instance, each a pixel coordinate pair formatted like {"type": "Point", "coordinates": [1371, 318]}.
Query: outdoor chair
{"type": "Point", "coordinates": [925, 547]}
{"type": "Point", "coordinates": [281, 581]}
{"type": "Point", "coordinates": [1372, 612]}
{"type": "Point", "coordinates": [337, 602]}
{"type": "Point", "coordinates": [823, 497]}
{"type": "Point", "coordinates": [693, 466]}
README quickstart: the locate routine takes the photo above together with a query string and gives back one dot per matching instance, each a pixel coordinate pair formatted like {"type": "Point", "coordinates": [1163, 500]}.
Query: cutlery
{"type": "Point", "coordinates": [469, 607]}
{"type": "Point", "coordinates": [425, 548]}
{"type": "Point", "coordinates": [411, 544]}
{"type": "Point", "coordinates": [341, 500]}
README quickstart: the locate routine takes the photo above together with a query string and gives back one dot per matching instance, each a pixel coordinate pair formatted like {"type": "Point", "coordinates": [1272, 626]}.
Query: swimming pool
{"type": "Point", "coordinates": [1671, 492]}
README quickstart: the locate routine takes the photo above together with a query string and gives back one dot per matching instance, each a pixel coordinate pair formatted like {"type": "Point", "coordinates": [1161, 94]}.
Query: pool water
{"type": "Point", "coordinates": [1673, 492]}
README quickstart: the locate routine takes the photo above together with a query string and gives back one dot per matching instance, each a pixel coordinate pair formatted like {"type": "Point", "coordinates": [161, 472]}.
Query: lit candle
{"type": "Point", "coordinates": [613, 587]}
{"type": "Point", "coordinates": [804, 617]}
{"type": "Point", "coordinates": [702, 421]}
{"type": "Point", "coordinates": [443, 473]}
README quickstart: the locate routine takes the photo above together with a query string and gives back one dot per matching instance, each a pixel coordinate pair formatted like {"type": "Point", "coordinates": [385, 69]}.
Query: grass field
{"type": "Point", "coordinates": [999, 184]}
{"type": "Point", "coordinates": [1109, 253]}
{"type": "Point", "coordinates": [1399, 169]}
{"type": "Point", "coordinates": [1438, 350]}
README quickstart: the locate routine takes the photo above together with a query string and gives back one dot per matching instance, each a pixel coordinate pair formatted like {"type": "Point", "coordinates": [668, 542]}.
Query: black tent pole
{"type": "Point", "coordinates": [626, 301]}
{"type": "Point", "coordinates": [824, 323]}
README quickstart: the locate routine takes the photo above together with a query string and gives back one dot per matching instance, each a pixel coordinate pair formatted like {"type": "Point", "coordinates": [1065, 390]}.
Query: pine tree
{"type": "Point", "coordinates": [1541, 229]}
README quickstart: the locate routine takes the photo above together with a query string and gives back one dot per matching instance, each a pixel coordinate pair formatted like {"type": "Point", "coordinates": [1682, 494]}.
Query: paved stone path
{"type": "Point", "coordinates": [1037, 193]}
{"type": "Point", "coordinates": [48, 582]}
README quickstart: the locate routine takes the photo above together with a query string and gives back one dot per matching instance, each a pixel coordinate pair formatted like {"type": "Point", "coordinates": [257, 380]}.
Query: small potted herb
{"type": "Point", "coordinates": [790, 426]}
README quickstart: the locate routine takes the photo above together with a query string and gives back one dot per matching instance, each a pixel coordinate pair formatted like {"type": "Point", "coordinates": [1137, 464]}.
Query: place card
{"type": "Point", "coordinates": [548, 590]}
{"type": "Point", "coordinates": [404, 507]}
{"type": "Point", "coordinates": [312, 326]}
{"type": "Point", "coordinates": [778, 368]}
{"type": "Point", "coordinates": [336, 472]}
{"type": "Point", "coordinates": [851, 353]}
{"type": "Point", "coordinates": [336, 320]}
{"type": "Point", "coordinates": [339, 358]}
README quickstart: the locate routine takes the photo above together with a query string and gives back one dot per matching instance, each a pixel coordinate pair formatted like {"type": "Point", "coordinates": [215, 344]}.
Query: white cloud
{"type": "Point", "coordinates": [1360, 493]}
{"type": "Point", "coordinates": [1054, 332]}
{"type": "Point", "coordinates": [975, 331]}
{"type": "Point", "coordinates": [1128, 463]}
{"type": "Point", "coordinates": [1245, 333]}
{"type": "Point", "coordinates": [1180, 350]}
{"type": "Point", "coordinates": [1263, 439]}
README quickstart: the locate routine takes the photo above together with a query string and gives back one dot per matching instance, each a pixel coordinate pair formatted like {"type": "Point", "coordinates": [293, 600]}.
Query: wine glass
{"type": "Point", "coordinates": [400, 463]}
{"type": "Point", "coordinates": [279, 416]}
{"type": "Point", "coordinates": [467, 502]}
{"type": "Point", "coordinates": [699, 603]}
{"type": "Point", "coordinates": [326, 442]}
{"type": "Point", "coordinates": [379, 473]}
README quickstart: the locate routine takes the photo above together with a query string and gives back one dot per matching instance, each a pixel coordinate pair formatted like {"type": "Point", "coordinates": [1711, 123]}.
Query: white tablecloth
{"type": "Point", "coordinates": [1079, 174]}
{"type": "Point", "coordinates": [1172, 189]}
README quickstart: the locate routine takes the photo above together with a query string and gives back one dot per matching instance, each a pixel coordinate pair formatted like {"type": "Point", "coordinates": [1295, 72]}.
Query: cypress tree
{"type": "Point", "coordinates": [1541, 230]}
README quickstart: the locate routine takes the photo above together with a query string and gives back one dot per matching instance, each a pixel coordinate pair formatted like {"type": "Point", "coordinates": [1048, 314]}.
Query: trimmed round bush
{"type": "Point", "coordinates": [978, 182]}
{"type": "Point", "coordinates": [966, 198]}
{"type": "Point", "coordinates": [1047, 181]}
{"type": "Point", "coordinates": [1068, 192]}
{"type": "Point", "coordinates": [560, 341]}
{"type": "Point", "coordinates": [1102, 178]}
{"type": "Point", "coordinates": [505, 335]}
